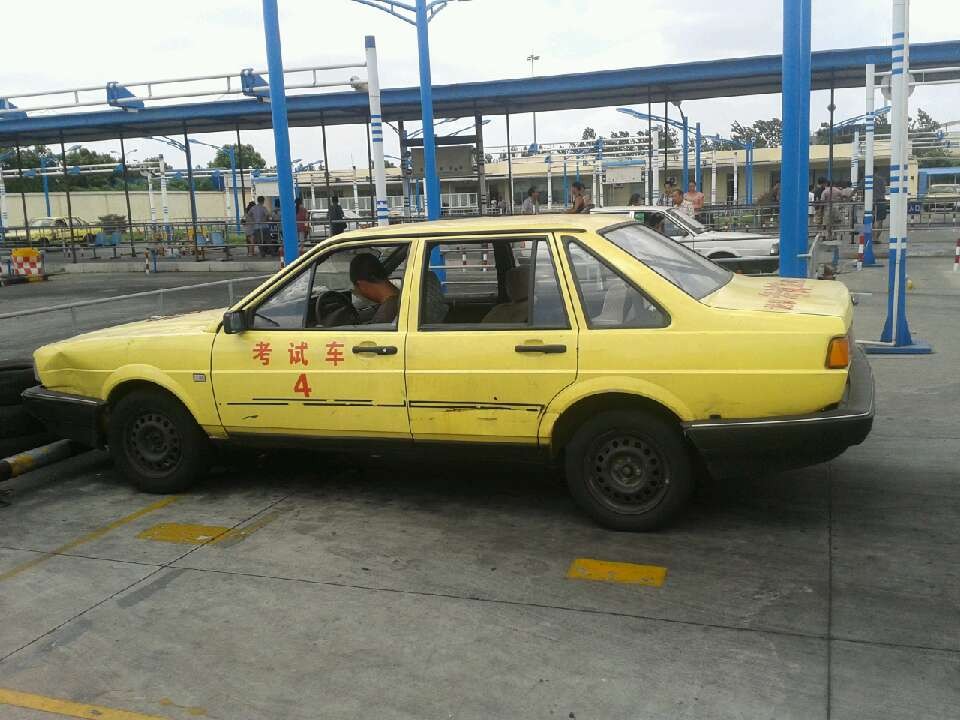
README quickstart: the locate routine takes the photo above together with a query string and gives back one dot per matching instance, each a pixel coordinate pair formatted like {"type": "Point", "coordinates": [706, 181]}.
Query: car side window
{"type": "Point", "coordinates": [492, 284]}
{"type": "Point", "coordinates": [351, 288]}
{"type": "Point", "coordinates": [672, 229]}
{"type": "Point", "coordinates": [608, 299]}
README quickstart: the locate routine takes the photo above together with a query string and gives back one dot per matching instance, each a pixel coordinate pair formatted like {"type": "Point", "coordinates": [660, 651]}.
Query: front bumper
{"type": "Point", "coordinates": [737, 447]}
{"type": "Point", "coordinates": [67, 416]}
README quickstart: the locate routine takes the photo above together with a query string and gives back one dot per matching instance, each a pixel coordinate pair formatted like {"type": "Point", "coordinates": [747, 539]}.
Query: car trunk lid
{"type": "Point", "coordinates": [784, 295]}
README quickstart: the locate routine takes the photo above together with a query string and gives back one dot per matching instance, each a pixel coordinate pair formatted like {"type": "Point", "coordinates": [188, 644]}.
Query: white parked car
{"type": "Point", "coordinates": [758, 252]}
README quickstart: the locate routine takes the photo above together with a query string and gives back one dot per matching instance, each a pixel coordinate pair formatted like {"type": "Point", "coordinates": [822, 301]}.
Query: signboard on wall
{"type": "Point", "coordinates": [623, 174]}
{"type": "Point", "coordinates": [452, 161]}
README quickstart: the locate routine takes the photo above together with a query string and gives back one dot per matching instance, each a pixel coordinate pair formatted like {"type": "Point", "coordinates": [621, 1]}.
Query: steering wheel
{"type": "Point", "coordinates": [334, 308]}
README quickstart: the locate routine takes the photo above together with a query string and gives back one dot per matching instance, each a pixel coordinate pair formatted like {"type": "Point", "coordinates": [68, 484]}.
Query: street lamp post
{"type": "Point", "coordinates": [419, 15]}
{"type": "Point", "coordinates": [532, 58]}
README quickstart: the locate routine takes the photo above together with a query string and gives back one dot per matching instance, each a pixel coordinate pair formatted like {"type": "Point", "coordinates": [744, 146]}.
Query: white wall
{"type": "Point", "coordinates": [91, 205]}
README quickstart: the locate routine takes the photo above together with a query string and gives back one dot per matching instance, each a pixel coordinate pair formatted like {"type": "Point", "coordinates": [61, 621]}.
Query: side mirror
{"type": "Point", "coordinates": [234, 322]}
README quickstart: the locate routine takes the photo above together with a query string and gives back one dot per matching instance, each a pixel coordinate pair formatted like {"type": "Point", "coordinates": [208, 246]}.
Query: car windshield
{"type": "Point", "coordinates": [692, 223]}
{"type": "Point", "coordinates": [945, 190]}
{"type": "Point", "coordinates": [692, 273]}
{"type": "Point", "coordinates": [41, 222]}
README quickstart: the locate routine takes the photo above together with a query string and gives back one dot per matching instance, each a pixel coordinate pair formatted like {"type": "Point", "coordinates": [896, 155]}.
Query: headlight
{"type": "Point", "coordinates": [775, 248]}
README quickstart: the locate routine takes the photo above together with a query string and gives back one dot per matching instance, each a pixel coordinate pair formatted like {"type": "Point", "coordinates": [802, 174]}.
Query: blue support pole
{"type": "Point", "coordinates": [426, 113]}
{"type": "Point", "coordinates": [686, 153]}
{"type": "Point", "coordinates": [281, 134]}
{"type": "Point", "coordinates": [46, 186]}
{"type": "Point", "coordinates": [698, 171]}
{"type": "Point", "coordinates": [796, 137]}
{"type": "Point", "coordinates": [231, 151]}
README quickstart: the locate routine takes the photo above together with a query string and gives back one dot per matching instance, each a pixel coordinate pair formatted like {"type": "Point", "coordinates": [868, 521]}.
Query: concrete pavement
{"type": "Point", "coordinates": [318, 586]}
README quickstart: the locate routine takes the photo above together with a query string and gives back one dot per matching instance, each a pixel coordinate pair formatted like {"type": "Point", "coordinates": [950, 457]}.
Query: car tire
{"type": "Point", "coordinates": [15, 377]}
{"type": "Point", "coordinates": [15, 421]}
{"type": "Point", "coordinates": [629, 470]}
{"type": "Point", "coordinates": [156, 443]}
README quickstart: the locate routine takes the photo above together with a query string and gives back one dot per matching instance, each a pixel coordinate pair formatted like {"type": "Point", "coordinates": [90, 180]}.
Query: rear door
{"type": "Point", "coordinates": [494, 345]}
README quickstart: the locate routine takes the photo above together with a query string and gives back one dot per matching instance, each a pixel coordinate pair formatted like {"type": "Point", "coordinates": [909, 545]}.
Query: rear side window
{"type": "Point", "coordinates": [608, 299]}
{"type": "Point", "coordinates": [692, 273]}
{"type": "Point", "coordinates": [497, 284]}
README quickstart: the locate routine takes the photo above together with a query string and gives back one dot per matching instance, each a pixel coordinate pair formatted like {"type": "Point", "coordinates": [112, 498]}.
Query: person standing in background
{"type": "Point", "coordinates": [249, 229]}
{"type": "Point", "coordinates": [531, 203]}
{"type": "Point", "coordinates": [335, 216]}
{"type": "Point", "coordinates": [579, 200]}
{"type": "Point", "coordinates": [301, 223]}
{"type": "Point", "coordinates": [694, 196]}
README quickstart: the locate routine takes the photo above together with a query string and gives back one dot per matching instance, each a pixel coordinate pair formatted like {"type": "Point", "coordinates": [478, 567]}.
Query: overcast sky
{"type": "Point", "coordinates": [62, 43]}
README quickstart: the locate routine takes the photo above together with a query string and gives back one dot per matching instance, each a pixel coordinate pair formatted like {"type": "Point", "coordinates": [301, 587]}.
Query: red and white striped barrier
{"type": "Point", "coordinates": [27, 263]}
{"type": "Point", "coordinates": [860, 253]}
{"type": "Point", "coordinates": [956, 256]}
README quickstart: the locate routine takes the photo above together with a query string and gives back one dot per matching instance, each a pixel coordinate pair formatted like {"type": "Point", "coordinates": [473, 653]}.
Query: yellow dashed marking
{"type": "Point", "coordinates": [182, 533]}
{"type": "Point", "coordinates": [67, 708]}
{"type": "Point", "coordinates": [617, 572]}
{"type": "Point", "coordinates": [89, 537]}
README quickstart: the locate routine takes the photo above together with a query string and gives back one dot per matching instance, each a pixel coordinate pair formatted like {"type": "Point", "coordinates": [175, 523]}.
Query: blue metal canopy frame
{"type": "Point", "coordinates": [688, 81]}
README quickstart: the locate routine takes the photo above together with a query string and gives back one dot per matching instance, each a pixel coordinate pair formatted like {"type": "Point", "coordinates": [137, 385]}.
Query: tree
{"type": "Point", "coordinates": [589, 134]}
{"type": "Point", "coordinates": [763, 133]}
{"type": "Point", "coordinates": [251, 158]}
{"type": "Point", "coordinates": [843, 135]}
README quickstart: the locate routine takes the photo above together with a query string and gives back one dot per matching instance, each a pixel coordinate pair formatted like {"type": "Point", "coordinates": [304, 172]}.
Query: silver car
{"type": "Point", "coordinates": [736, 250]}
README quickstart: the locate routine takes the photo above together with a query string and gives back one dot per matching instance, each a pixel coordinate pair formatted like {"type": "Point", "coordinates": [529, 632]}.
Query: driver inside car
{"type": "Point", "coordinates": [371, 281]}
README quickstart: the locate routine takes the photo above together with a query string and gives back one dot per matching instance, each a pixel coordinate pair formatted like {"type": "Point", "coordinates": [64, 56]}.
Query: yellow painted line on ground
{"type": "Point", "coordinates": [617, 572]}
{"type": "Point", "coordinates": [67, 708]}
{"type": "Point", "coordinates": [205, 534]}
{"type": "Point", "coordinates": [89, 537]}
{"type": "Point", "coordinates": [183, 533]}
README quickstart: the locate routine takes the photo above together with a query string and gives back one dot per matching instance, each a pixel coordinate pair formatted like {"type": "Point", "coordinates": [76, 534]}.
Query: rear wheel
{"type": "Point", "coordinates": [629, 470]}
{"type": "Point", "coordinates": [156, 442]}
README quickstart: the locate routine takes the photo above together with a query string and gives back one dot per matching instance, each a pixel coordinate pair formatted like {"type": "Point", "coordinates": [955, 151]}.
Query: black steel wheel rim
{"type": "Point", "coordinates": [153, 444]}
{"type": "Point", "coordinates": [626, 473]}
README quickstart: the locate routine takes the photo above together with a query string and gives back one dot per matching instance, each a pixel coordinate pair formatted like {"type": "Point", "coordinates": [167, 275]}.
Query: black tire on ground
{"type": "Point", "coordinates": [15, 377]}
{"type": "Point", "coordinates": [15, 421]}
{"type": "Point", "coordinates": [156, 443]}
{"type": "Point", "coordinates": [630, 470]}
{"type": "Point", "coordinates": [12, 446]}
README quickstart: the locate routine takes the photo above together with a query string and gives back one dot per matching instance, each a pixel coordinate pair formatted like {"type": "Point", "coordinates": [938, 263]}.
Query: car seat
{"type": "Point", "coordinates": [517, 281]}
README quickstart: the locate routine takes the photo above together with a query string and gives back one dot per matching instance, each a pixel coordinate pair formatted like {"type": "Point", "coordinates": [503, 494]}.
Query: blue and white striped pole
{"type": "Point", "coordinates": [895, 337]}
{"type": "Point", "coordinates": [376, 132]}
{"type": "Point", "coordinates": [895, 327]}
{"type": "Point", "coordinates": [868, 162]}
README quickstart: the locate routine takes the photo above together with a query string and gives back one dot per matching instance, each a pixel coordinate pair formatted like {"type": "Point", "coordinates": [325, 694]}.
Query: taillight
{"type": "Point", "coordinates": [838, 353]}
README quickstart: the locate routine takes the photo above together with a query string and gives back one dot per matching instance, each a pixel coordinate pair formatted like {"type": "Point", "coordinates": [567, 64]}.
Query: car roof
{"type": "Point", "coordinates": [485, 225]}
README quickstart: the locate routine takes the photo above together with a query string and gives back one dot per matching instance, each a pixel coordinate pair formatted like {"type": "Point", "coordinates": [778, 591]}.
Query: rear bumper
{"type": "Point", "coordinates": [67, 416]}
{"type": "Point", "coordinates": [736, 447]}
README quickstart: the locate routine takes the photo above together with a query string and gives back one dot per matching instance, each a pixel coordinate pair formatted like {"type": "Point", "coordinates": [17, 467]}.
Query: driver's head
{"type": "Point", "coordinates": [368, 277]}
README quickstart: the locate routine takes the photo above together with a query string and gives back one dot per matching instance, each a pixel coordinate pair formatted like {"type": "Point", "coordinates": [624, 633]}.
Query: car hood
{"type": "Point", "coordinates": [188, 324]}
{"type": "Point", "coordinates": [784, 295]}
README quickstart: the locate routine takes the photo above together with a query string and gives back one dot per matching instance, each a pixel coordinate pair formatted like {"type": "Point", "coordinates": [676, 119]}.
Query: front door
{"type": "Point", "coordinates": [491, 344]}
{"type": "Point", "coordinates": [320, 360]}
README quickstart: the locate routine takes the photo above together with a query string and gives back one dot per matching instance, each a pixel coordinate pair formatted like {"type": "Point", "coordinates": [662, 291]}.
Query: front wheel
{"type": "Point", "coordinates": [629, 470]}
{"type": "Point", "coordinates": [156, 442]}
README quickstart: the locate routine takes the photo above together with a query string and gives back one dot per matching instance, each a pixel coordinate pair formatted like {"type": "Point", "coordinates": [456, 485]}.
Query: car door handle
{"type": "Point", "coordinates": [374, 349]}
{"type": "Point", "coordinates": [546, 349]}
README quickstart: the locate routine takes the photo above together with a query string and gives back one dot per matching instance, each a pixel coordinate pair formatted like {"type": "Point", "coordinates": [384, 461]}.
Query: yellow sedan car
{"type": "Point", "coordinates": [56, 231]}
{"type": "Point", "coordinates": [625, 359]}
